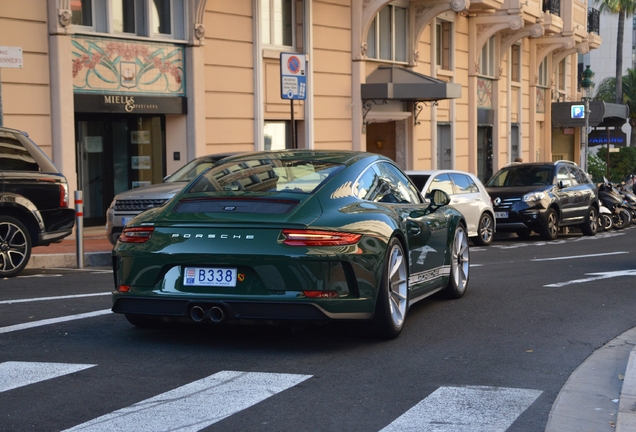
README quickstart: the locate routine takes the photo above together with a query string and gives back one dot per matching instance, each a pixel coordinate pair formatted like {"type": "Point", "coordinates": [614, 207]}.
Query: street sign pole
{"type": "Point", "coordinates": [293, 128]}
{"type": "Point", "coordinates": [293, 84]}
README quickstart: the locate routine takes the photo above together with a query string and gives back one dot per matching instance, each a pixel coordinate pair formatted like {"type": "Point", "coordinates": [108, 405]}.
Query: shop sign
{"type": "Point", "coordinates": [130, 104]}
{"type": "Point", "coordinates": [600, 137]}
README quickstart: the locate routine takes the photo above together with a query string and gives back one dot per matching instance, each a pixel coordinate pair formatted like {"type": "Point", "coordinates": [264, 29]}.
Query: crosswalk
{"type": "Point", "coordinates": [203, 402]}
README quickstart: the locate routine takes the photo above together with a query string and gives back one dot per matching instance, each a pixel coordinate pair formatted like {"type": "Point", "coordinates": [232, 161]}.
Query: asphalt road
{"type": "Point", "coordinates": [495, 359]}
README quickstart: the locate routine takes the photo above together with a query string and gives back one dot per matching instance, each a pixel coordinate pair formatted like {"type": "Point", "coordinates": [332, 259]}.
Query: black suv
{"type": "Point", "coordinates": [542, 197]}
{"type": "Point", "coordinates": [34, 201]}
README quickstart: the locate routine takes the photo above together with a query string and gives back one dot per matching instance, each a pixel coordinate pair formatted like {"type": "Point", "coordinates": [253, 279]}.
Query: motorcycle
{"type": "Point", "coordinates": [605, 222]}
{"type": "Point", "coordinates": [629, 200]}
{"type": "Point", "coordinates": [612, 199]}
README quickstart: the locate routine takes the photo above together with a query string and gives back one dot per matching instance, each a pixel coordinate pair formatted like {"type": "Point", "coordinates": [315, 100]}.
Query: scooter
{"type": "Point", "coordinates": [605, 222]}
{"type": "Point", "coordinates": [612, 199]}
{"type": "Point", "coordinates": [629, 200]}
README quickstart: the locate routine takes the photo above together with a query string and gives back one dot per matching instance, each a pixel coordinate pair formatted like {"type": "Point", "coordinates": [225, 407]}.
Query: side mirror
{"type": "Point", "coordinates": [561, 184]}
{"type": "Point", "coordinates": [439, 198]}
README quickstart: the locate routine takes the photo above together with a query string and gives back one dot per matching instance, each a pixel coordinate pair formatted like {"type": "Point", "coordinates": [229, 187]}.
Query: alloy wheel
{"type": "Point", "coordinates": [397, 285]}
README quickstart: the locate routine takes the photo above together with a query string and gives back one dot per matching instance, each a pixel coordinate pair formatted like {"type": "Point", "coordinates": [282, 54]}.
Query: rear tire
{"type": "Point", "coordinates": [392, 301]}
{"type": "Point", "coordinates": [590, 226]}
{"type": "Point", "coordinates": [621, 219]}
{"type": "Point", "coordinates": [550, 228]}
{"type": "Point", "coordinates": [485, 230]}
{"type": "Point", "coordinates": [15, 246]}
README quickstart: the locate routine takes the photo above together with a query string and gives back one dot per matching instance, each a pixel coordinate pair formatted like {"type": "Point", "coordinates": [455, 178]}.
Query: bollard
{"type": "Point", "coordinates": [79, 229]}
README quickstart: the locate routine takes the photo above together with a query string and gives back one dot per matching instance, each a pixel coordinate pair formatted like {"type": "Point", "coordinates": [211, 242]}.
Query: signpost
{"type": "Point", "coordinates": [10, 57]}
{"type": "Point", "coordinates": [293, 83]}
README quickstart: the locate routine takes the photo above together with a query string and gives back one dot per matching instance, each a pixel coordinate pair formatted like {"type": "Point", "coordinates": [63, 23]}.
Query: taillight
{"type": "Point", "coordinates": [319, 238]}
{"type": "Point", "coordinates": [321, 294]}
{"type": "Point", "coordinates": [136, 234]}
{"type": "Point", "coordinates": [64, 200]}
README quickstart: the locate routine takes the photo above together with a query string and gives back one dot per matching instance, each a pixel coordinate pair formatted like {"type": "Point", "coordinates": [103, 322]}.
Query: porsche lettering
{"type": "Point", "coordinates": [215, 236]}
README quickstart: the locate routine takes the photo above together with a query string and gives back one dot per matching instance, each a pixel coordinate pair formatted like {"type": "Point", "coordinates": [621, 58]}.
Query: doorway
{"type": "Point", "coordinates": [484, 153]}
{"type": "Point", "coordinates": [116, 153]}
{"type": "Point", "coordinates": [381, 139]}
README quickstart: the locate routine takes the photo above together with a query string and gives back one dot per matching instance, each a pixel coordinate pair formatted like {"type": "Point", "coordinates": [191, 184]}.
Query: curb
{"type": "Point", "coordinates": [626, 419]}
{"type": "Point", "coordinates": [69, 260]}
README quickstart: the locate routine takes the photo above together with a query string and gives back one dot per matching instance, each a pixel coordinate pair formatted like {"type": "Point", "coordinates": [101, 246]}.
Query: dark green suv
{"type": "Point", "coordinates": [542, 197]}
{"type": "Point", "coordinates": [34, 201]}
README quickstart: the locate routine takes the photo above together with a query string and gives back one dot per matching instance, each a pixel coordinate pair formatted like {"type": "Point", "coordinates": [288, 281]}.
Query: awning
{"type": "Point", "coordinates": [602, 114]}
{"type": "Point", "coordinates": [394, 82]}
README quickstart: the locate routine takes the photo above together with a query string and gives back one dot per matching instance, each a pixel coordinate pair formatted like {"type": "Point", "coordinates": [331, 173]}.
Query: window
{"type": "Point", "coordinates": [515, 63]}
{"type": "Point", "coordinates": [14, 157]}
{"type": "Point", "coordinates": [443, 44]}
{"type": "Point", "coordinates": [145, 18]}
{"type": "Point", "coordinates": [542, 80]}
{"type": "Point", "coordinates": [464, 184]}
{"type": "Point", "coordinates": [487, 58]}
{"type": "Point", "coordinates": [275, 133]}
{"type": "Point", "coordinates": [277, 22]}
{"type": "Point", "coordinates": [441, 182]}
{"type": "Point", "coordinates": [82, 13]}
{"type": "Point", "coordinates": [387, 37]}
{"type": "Point", "coordinates": [562, 75]}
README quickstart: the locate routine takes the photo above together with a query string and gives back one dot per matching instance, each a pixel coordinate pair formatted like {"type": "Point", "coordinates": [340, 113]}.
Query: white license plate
{"type": "Point", "coordinates": [209, 276]}
{"type": "Point", "coordinates": [125, 220]}
{"type": "Point", "coordinates": [501, 215]}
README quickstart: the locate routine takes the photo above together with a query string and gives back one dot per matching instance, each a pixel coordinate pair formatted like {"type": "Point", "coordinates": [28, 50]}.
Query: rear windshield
{"type": "Point", "coordinates": [266, 175]}
{"type": "Point", "coordinates": [523, 176]}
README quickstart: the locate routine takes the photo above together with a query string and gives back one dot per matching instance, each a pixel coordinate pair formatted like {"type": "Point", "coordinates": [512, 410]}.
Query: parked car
{"type": "Point", "coordinates": [468, 195]}
{"type": "Point", "coordinates": [129, 204]}
{"type": "Point", "coordinates": [34, 201]}
{"type": "Point", "coordinates": [543, 197]}
{"type": "Point", "coordinates": [294, 235]}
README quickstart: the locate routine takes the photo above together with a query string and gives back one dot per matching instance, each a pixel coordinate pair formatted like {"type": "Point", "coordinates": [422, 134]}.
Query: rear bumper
{"type": "Point", "coordinates": [233, 309]}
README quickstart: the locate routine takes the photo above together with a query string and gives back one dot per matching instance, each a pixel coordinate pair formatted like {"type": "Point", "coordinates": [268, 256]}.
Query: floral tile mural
{"type": "Point", "coordinates": [484, 93]}
{"type": "Point", "coordinates": [116, 66]}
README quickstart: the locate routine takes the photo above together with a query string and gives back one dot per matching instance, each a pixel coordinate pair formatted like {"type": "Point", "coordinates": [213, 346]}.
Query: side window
{"type": "Point", "coordinates": [402, 190]}
{"type": "Point", "coordinates": [14, 156]}
{"type": "Point", "coordinates": [368, 185]}
{"type": "Point", "coordinates": [579, 175]}
{"type": "Point", "coordinates": [442, 182]}
{"type": "Point", "coordinates": [464, 184]}
{"type": "Point", "coordinates": [564, 176]}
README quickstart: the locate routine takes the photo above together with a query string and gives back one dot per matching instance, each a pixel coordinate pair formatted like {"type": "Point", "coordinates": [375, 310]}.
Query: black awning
{"type": "Point", "coordinates": [602, 114]}
{"type": "Point", "coordinates": [394, 82]}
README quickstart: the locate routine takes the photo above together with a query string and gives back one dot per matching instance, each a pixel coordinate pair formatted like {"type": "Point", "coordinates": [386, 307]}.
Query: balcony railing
{"type": "Point", "coordinates": [552, 6]}
{"type": "Point", "coordinates": [593, 21]}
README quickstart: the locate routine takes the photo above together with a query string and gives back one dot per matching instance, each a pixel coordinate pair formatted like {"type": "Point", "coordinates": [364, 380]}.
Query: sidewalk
{"type": "Point", "coordinates": [97, 251]}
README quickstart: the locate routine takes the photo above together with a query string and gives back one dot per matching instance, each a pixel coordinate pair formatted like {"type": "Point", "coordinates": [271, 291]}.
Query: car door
{"type": "Point", "coordinates": [466, 199]}
{"type": "Point", "coordinates": [584, 194]}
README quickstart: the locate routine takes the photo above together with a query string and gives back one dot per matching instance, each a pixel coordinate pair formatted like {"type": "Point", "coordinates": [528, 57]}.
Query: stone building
{"type": "Point", "coordinates": [122, 92]}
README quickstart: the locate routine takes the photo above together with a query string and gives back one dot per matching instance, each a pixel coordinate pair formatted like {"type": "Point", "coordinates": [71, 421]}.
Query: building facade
{"type": "Point", "coordinates": [122, 92]}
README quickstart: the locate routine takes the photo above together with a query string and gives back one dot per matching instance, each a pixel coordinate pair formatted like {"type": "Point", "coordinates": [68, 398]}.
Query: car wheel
{"type": "Point", "coordinates": [459, 265]}
{"type": "Point", "coordinates": [392, 302]}
{"type": "Point", "coordinates": [621, 219]}
{"type": "Point", "coordinates": [15, 246]}
{"type": "Point", "coordinates": [590, 226]}
{"type": "Point", "coordinates": [144, 321]}
{"type": "Point", "coordinates": [485, 230]}
{"type": "Point", "coordinates": [550, 228]}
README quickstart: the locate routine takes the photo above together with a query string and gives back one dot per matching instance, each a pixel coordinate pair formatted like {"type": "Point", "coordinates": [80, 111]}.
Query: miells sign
{"type": "Point", "coordinates": [106, 103]}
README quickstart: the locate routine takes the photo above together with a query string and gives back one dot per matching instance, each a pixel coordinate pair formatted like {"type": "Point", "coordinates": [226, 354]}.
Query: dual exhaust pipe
{"type": "Point", "coordinates": [216, 314]}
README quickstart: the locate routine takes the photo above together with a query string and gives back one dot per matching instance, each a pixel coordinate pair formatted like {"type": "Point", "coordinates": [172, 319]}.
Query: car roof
{"type": "Point", "coordinates": [336, 156]}
{"type": "Point", "coordinates": [438, 171]}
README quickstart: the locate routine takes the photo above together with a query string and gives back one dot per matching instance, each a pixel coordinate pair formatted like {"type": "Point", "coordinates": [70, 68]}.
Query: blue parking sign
{"type": "Point", "coordinates": [578, 112]}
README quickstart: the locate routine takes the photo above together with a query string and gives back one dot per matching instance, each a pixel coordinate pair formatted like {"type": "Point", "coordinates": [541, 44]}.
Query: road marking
{"type": "Point", "coordinates": [40, 323]}
{"type": "Point", "coordinates": [19, 374]}
{"type": "Point", "coordinates": [597, 276]}
{"type": "Point", "coordinates": [470, 408]}
{"type": "Point", "coordinates": [196, 405]}
{"type": "Point", "coordinates": [579, 256]}
{"type": "Point", "coordinates": [53, 298]}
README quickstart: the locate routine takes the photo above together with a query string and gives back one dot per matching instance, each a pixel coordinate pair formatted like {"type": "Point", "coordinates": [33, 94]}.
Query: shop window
{"type": "Point", "coordinates": [277, 135]}
{"type": "Point", "coordinates": [515, 63]}
{"type": "Point", "coordinates": [388, 34]}
{"type": "Point", "coordinates": [145, 18]}
{"type": "Point", "coordinates": [443, 44]}
{"type": "Point", "coordinates": [487, 58]}
{"type": "Point", "coordinates": [277, 22]}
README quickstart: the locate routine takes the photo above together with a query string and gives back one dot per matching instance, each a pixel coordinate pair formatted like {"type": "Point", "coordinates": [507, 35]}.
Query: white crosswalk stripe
{"type": "Point", "coordinates": [18, 374]}
{"type": "Point", "coordinates": [469, 409]}
{"type": "Point", "coordinates": [195, 405]}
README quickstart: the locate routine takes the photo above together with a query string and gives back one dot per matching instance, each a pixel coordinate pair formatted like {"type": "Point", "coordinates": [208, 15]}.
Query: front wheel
{"type": "Point", "coordinates": [485, 230]}
{"type": "Point", "coordinates": [15, 246]}
{"type": "Point", "coordinates": [459, 265]}
{"type": "Point", "coordinates": [550, 228]}
{"type": "Point", "coordinates": [590, 226]}
{"type": "Point", "coordinates": [392, 302]}
{"type": "Point", "coordinates": [606, 221]}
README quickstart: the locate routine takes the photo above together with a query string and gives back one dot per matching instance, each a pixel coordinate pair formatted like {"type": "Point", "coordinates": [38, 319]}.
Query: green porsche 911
{"type": "Point", "coordinates": [295, 235]}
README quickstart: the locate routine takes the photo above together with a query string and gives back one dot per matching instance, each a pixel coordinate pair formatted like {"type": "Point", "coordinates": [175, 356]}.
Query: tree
{"type": "Point", "coordinates": [607, 89]}
{"type": "Point", "coordinates": [622, 8]}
